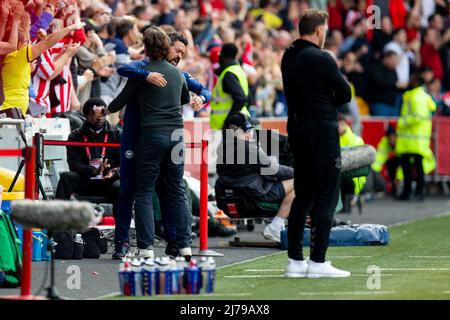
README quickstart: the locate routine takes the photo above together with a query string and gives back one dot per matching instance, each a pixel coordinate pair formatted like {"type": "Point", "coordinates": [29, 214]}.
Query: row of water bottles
{"type": "Point", "coordinates": [166, 276]}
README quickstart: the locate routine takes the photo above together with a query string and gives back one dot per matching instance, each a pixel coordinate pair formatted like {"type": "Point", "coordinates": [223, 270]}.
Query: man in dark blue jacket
{"type": "Point", "coordinates": [135, 70]}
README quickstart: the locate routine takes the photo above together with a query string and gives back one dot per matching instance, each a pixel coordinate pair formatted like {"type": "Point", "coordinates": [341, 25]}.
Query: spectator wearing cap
{"type": "Point", "coordinates": [265, 179]}
{"type": "Point", "coordinates": [231, 93]}
{"type": "Point", "coordinates": [94, 171]}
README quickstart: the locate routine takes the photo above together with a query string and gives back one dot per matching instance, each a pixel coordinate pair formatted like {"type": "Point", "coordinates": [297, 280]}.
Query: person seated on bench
{"type": "Point", "coordinates": [94, 171]}
{"type": "Point", "coordinates": [242, 163]}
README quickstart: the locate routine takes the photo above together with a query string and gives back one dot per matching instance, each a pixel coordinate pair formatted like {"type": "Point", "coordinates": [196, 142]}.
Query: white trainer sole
{"type": "Point", "coordinates": [315, 276]}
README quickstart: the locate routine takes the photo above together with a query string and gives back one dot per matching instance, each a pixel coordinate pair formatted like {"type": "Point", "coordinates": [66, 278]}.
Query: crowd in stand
{"type": "Point", "coordinates": [66, 66]}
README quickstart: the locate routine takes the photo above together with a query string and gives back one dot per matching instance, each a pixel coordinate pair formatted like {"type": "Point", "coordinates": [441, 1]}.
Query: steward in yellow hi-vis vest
{"type": "Point", "coordinates": [414, 136]}
{"type": "Point", "coordinates": [231, 91]}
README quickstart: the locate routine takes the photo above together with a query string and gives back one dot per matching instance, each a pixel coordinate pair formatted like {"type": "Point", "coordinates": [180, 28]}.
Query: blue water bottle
{"type": "Point", "coordinates": [192, 281]}
{"type": "Point", "coordinates": [148, 277]}
{"type": "Point", "coordinates": [163, 276]}
{"type": "Point", "coordinates": [36, 245]}
{"type": "Point", "coordinates": [209, 274]}
{"type": "Point", "coordinates": [136, 268]}
{"type": "Point", "coordinates": [45, 254]}
{"type": "Point", "coordinates": [2, 277]}
{"type": "Point", "coordinates": [177, 275]}
{"type": "Point", "coordinates": [126, 279]}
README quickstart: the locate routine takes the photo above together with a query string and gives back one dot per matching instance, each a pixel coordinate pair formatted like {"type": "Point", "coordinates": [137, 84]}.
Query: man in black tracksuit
{"type": "Point", "coordinates": [314, 88]}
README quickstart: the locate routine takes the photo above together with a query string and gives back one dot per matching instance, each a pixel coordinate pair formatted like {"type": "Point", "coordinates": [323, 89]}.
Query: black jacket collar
{"type": "Point", "coordinates": [299, 45]}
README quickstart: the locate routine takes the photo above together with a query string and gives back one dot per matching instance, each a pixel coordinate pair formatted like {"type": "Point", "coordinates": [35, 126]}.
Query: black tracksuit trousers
{"type": "Point", "coordinates": [317, 172]}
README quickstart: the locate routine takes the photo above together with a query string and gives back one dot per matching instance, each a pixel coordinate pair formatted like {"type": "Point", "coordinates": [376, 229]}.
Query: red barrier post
{"type": "Point", "coordinates": [30, 187]}
{"type": "Point", "coordinates": [204, 197]}
{"type": "Point", "coordinates": [204, 251]}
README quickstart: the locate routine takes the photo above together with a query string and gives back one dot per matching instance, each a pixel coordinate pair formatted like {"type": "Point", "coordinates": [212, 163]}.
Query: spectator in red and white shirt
{"type": "Point", "coordinates": [48, 69]}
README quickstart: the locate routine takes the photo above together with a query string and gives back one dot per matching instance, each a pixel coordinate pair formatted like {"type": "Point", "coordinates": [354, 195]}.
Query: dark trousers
{"type": "Point", "coordinates": [71, 182]}
{"type": "Point", "coordinates": [347, 187]}
{"type": "Point", "coordinates": [317, 173]}
{"type": "Point", "coordinates": [410, 161]}
{"type": "Point", "coordinates": [392, 166]}
{"type": "Point", "coordinates": [128, 149]}
{"type": "Point", "coordinates": [160, 165]}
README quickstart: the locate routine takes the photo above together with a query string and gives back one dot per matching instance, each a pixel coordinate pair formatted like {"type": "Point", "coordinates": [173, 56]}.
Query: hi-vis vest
{"type": "Point", "coordinates": [414, 124]}
{"type": "Point", "coordinates": [222, 102]}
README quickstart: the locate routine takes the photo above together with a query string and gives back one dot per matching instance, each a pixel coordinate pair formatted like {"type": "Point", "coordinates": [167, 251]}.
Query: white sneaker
{"type": "Point", "coordinates": [296, 269]}
{"type": "Point", "coordinates": [272, 233]}
{"type": "Point", "coordinates": [144, 253]}
{"type": "Point", "coordinates": [325, 270]}
{"type": "Point", "coordinates": [186, 252]}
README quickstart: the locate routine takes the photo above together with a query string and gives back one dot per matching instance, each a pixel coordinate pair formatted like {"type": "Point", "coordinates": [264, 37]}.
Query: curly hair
{"type": "Point", "coordinates": [175, 36]}
{"type": "Point", "coordinates": [157, 43]}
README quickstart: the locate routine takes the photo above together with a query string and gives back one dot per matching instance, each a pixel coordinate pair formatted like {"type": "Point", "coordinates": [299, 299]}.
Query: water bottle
{"type": "Point", "coordinates": [2, 277]}
{"type": "Point", "coordinates": [36, 245]}
{"type": "Point", "coordinates": [163, 276]}
{"type": "Point", "coordinates": [136, 269]}
{"type": "Point", "coordinates": [28, 128]}
{"type": "Point", "coordinates": [181, 265]}
{"type": "Point", "coordinates": [78, 246]}
{"type": "Point", "coordinates": [148, 276]}
{"type": "Point", "coordinates": [192, 281]}
{"type": "Point", "coordinates": [126, 279]}
{"type": "Point", "coordinates": [209, 275]}
{"type": "Point", "coordinates": [177, 276]}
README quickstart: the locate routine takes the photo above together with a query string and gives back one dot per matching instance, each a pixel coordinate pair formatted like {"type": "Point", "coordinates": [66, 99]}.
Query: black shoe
{"type": "Point", "coordinates": [172, 249]}
{"type": "Point", "coordinates": [121, 250]}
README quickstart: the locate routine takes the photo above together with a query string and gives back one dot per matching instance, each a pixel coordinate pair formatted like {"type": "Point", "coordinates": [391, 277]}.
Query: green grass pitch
{"type": "Point", "coordinates": [415, 265]}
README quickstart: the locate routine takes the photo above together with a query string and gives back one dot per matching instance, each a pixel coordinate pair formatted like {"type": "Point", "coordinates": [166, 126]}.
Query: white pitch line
{"type": "Point", "coordinates": [349, 257]}
{"type": "Point", "coordinates": [282, 270]}
{"type": "Point", "coordinates": [282, 275]}
{"type": "Point", "coordinates": [264, 270]}
{"type": "Point", "coordinates": [430, 257]}
{"type": "Point", "coordinates": [415, 269]}
{"type": "Point", "coordinates": [256, 276]}
{"type": "Point", "coordinates": [249, 260]}
{"type": "Point", "coordinates": [436, 215]}
{"type": "Point", "coordinates": [339, 293]}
